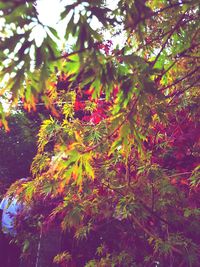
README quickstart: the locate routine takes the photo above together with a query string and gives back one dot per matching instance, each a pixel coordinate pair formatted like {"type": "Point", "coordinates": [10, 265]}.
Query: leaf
{"type": "Point", "coordinates": [73, 157]}
{"type": "Point", "coordinates": [38, 57]}
{"type": "Point", "coordinates": [135, 60]}
{"type": "Point", "coordinates": [71, 27]}
{"type": "Point", "coordinates": [67, 10]}
{"type": "Point", "coordinates": [26, 245]}
{"type": "Point", "coordinates": [73, 64]}
{"type": "Point", "coordinates": [115, 145]}
{"type": "Point", "coordinates": [29, 188]}
{"type": "Point", "coordinates": [62, 258]}
{"type": "Point", "coordinates": [88, 167]}
{"type": "Point", "coordinates": [54, 32]}
{"type": "Point", "coordinates": [97, 88]}
{"type": "Point", "coordinates": [125, 130]}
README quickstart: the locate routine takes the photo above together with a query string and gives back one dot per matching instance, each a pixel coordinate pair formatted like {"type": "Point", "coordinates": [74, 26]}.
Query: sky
{"type": "Point", "coordinates": [49, 11]}
{"type": "Point", "coordinates": [49, 14]}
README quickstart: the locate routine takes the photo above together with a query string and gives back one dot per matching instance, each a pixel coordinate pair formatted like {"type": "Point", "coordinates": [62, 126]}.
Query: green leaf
{"type": "Point", "coordinates": [68, 8]}
{"type": "Point", "coordinates": [38, 57]}
{"type": "Point", "coordinates": [54, 32]}
{"type": "Point", "coordinates": [88, 168]}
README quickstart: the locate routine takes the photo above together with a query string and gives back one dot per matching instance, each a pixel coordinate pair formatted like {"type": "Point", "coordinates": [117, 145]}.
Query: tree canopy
{"type": "Point", "coordinates": [121, 147]}
{"type": "Point", "coordinates": [18, 147]}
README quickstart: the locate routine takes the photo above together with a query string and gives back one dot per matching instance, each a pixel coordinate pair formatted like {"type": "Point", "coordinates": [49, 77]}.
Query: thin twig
{"type": "Point", "coordinates": [178, 93]}
{"type": "Point", "coordinates": [180, 80]}
{"type": "Point", "coordinates": [160, 76]}
{"type": "Point", "coordinates": [179, 174]}
{"type": "Point", "coordinates": [148, 232]}
{"type": "Point", "coordinates": [178, 57]}
{"type": "Point", "coordinates": [117, 190]}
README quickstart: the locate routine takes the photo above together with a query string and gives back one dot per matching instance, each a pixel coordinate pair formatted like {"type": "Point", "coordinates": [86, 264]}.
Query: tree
{"type": "Point", "coordinates": [121, 147]}
{"type": "Point", "coordinates": [18, 148]}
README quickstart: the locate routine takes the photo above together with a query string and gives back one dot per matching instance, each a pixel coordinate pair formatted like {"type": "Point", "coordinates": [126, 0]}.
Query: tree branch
{"type": "Point", "coordinates": [169, 36]}
{"type": "Point", "coordinates": [172, 6]}
{"type": "Point", "coordinates": [169, 68]}
{"type": "Point", "coordinates": [148, 232]}
{"type": "Point", "coordinates": [177, 57]}
{"type": "Point", "coordinates": [178, 93]}
{"type": "Point", "coordinates": [180, 80]}
{"type": "Point", "coordinates": [153, 14]}
{"type": "Point", "coordinates": [66, 55]}
{"type": "Point", "coordinates": [117, 190]}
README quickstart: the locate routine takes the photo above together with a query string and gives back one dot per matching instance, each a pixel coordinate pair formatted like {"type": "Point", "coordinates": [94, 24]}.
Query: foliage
{"type": "Point", "coordinates": [18, 147]}
{"type": "Point", "coordinates": [121, 147]}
